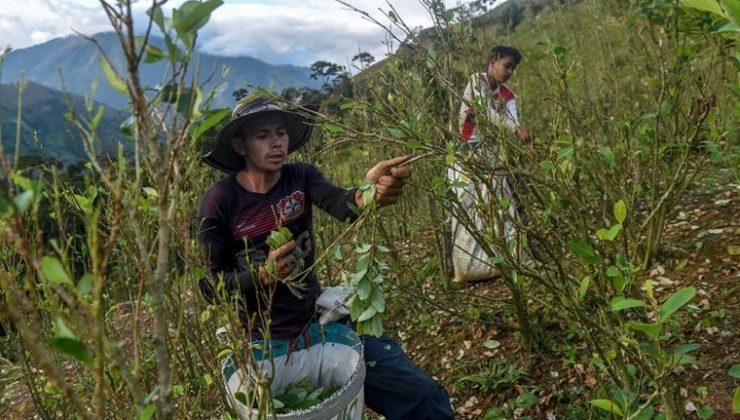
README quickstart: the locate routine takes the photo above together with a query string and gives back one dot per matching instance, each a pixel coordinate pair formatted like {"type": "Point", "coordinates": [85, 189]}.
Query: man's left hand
{"type": "Point", "coordinates": [389, 180]}
{"type": "Point", "coordinates": [524, 135]}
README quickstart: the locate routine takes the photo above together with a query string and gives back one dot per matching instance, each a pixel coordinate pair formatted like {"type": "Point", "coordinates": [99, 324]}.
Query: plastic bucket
{"type": "Point", "coordinates": [325, 356]}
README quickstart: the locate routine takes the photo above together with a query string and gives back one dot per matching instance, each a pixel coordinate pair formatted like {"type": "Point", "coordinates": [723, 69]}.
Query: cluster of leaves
{"type": "Point", "coordinates": [275, 240]}
{"type": "Point", "coordinates": [300, 395]}
{"type": "Point", "coordinates": [367, 305]}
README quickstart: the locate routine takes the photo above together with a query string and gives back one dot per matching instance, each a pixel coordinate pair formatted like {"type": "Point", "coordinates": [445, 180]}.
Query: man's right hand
{"type": "Point", "coordinates": [276, 267]}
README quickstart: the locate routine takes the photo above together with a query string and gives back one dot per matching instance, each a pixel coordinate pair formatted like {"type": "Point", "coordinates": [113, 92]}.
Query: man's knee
{"type": "Point", "coordinates": [434, 401]}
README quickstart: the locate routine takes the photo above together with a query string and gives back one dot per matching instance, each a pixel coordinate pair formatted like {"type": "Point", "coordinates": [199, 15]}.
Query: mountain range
{"type": "Point", "coordinates": [75, 60]}
{"type": "Point", "coordinates": [45, 131]}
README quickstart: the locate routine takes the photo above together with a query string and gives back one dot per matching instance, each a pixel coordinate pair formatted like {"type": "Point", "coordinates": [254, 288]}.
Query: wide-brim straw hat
{"type": "Point", "coordinates": [297, 124]}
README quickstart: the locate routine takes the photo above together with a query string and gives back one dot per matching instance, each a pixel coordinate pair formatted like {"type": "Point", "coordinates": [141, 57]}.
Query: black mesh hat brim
{"type": "Point", "coordinates": [223, 157]}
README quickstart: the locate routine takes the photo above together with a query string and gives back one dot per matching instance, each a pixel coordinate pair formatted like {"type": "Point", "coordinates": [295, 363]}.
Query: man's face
{"type": "Point", "coordinates": [500, 70]}
{"type": "Point", "coordinates": [265, 143]}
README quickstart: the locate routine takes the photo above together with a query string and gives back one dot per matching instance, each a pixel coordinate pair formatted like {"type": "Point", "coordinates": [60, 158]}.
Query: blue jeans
{"type": "Point", "coordinates": [398, 389]}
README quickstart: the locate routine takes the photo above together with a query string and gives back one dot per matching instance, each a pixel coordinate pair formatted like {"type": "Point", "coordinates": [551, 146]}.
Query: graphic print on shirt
{"type": "Point", "coordinates": [291, 206]}
{"type": "Point", "coordinates": [269, 216]}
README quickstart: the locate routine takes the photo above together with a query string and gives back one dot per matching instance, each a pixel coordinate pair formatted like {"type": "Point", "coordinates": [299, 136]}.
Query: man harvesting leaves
{"type": "Point", "coordinates": [263, 194]}
{"type": "Point", "coordinates": [487, 100]}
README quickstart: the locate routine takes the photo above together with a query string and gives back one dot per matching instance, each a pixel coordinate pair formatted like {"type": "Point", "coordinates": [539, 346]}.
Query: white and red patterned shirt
{"type": "Point", "coordinates": [500, 104]}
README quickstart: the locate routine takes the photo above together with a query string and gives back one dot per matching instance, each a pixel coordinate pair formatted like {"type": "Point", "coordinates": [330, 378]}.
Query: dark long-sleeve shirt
{"type": "Point", "coordinates": [235, 224]}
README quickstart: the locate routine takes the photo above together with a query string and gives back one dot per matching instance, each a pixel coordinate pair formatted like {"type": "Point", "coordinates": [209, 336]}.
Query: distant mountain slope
{"type": "Point", "coordinates": [44, 129]}
{"type": "Point", "coordinates": [77, 59]}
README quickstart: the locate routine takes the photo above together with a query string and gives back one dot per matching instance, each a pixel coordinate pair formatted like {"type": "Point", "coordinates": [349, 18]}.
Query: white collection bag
{"type": "Point", "coordinates": [469, 260]}
{"type": "Point", "coordinates": [324, 356]}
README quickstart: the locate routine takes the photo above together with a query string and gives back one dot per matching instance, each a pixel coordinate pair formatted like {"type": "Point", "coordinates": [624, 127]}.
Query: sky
{"type": "Point", "coordinates": [297, 32]}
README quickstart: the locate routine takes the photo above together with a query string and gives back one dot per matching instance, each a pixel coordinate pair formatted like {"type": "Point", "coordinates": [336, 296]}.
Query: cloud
{"type": "Point", "coordinates": [296, 32]}
{"type": "Point", "coordinates": [302, 32]}
{"type": "Point", "coordinates": [28, 22]}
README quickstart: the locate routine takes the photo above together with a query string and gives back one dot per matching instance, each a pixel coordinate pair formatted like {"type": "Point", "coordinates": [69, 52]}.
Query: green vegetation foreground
{"type": "Point", "coordinates": [632, 106]}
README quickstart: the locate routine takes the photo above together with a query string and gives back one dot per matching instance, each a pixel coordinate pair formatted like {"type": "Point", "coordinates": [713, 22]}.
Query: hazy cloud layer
{"type": "Point", "coordinates": [281, 32]}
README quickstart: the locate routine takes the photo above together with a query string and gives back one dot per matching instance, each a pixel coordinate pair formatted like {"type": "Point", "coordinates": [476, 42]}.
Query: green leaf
{"type": "Point", "coordinates": [369, 313]}
{"type": "Point", "coordinates": [609, 235]}
{"type": "Point", "coordinates": [736, 401]}
{"type": "Point", "coordinates": [734, 371]}
{"type": "Point", "coordinates": [704, 5]}
{"type": "Point", "coordinates": [363, 248]}
{"type": "Point", "coordinates": [396, 132]}
{"type": "Point", "coordinates": [494, 413]}
{"type": "Point", "coordinates": [98, 116]}
{"type": "Point", "coordinates": [212, 117]}
{"type": "Point", "coordinates": [157, 16]}
{"type": "Point", "coordinates": [67, 343]}
{"type": "Point", "coordinates": [174, 51]}
{"type": "Point", "coordinates": [732, 10]}
{"type": "Point", "coordinates": [22, 181]}
{"type": "Point", "coordinates": [619, 303]}
{"type": "Point", "coordinates": [84, 286]}
{"type": "Point", "coordinates": [72, 347]}
{"type": "Point", "coordinates": [333, 128]}
{"type": "Point", "coordinates": [23, 200]}
{"type": "Point", "coordinates": [730, 27]}
{"type": "Point", "coordinates": [62, 330]}
{"type": "Point", "coordinates": [150, 192]}
{"type": "Point", "coordinates": [241, 397]}
{"type": "Point", "coordinates": [364, 288]}
{"type": "Point", "coordinates": [368, 195]}
{"type": "Point", "coordinates": [153, 54]}
{"type": "Point", "coordinates": [52, 269]}
{"type": "Point", "coordinates": [193, 15]}
{"type": "Point", "coordinates": [608, 155]}
{"type": "Point", "coordinates": [618, 283]}
{"type": "Point", "coordinates": [612, 271]}
{"type": "Point", "coordinates": [5, 209]}
{"type": "Point", "coordinates": [686, 348]}
{"type": "Point", "coordinates": [675, 302]}
{"type": "Point", "coordinates": [189, 103]}
{"type": "Point", "coordinates": [666, 107]}
{"type": "Point", "coordinates": [491, 344]}
{"type": "Point", "coordinates": [705, 412]}
{"type": "Point", "coordinates": [378, 300]}
{"type": "Point", "coordinates": [525, 400]}
{"type": "Point", "coordinates": [114, 79]}
{"type": "Point", "coordinates": [620, 211]}
{"type": "Point", "coordinates": [584, 250]}
{"type": "Point", "coordinates": [608, 406]}
{"type": "Point", "coordinates": [147, 412]}
{"type": "Point", "coordinates": [547, 165]}
{"type": "Point", "coordinates": [583, 287]}
{"type": "Point", "coordinates": [652, 330]}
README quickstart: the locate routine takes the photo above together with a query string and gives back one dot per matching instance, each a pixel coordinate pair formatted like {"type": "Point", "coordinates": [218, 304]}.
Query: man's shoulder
{"type": "Point", "coordinates": [217, 198]}
{"type": "Point", "coordinates": [299, 169]}
{"type": "Point", "coordinates": [506, 92]}
{"type": "Point", "coordinates": [222, 188]}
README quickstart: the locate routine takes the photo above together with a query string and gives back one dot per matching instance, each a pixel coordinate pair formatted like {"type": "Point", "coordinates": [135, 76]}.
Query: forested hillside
{"type": "Point", "coordinates": [612, 235]}
{"type": "Point", "coordinates": [45, 132]}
